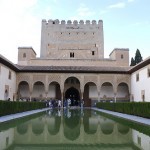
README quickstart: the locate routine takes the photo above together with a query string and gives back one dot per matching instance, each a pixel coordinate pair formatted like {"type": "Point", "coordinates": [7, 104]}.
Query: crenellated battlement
{"type": "Point", "coordinates": [70, 22]}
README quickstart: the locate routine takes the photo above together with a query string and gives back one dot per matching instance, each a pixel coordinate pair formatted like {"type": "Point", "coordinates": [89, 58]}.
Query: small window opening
{"type": "Point", "coordinates": [137, 77]}
{"type": "Point", "coordinates": [93, 53]}
{"type": "Point", "coordinates": [143, 98]}
{"type": "Point", "coordinates": [71, 55]}
{"type": "Point", "coordinates": [121, 56]}
{"type": "Point", "coordinates": [53, 22]}
{"type": "Point", "coordinates": [9, 76]}
{"type": "Point", "coordinates": [148, 72]}
{"type": "Point", "coordinates": [24, 55]}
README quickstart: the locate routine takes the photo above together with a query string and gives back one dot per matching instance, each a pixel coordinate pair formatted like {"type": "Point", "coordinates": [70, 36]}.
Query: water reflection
{"type": "Point", "coordinates": [73, 127]}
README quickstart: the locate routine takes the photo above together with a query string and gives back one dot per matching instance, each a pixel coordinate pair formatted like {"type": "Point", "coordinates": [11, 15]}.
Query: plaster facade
{"type": "Point", "coordinates": [140, 81]}
{"type": "Point", "coordinates": [7, 83]}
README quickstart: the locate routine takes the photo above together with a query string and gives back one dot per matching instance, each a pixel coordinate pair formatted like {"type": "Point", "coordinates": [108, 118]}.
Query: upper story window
{"type": "Point", "coordinates": [71, 55]}
{"type": "Point", "coordinates": [121, 56]}
{"type": "Point", "coordinates": [93, 53]}
{"type": "Point", "coordinates": [148, 72]}
{"type": "Point", "coordinates": [9, 75]}
{"type": "Point", "coordinates": [137, 77]}
{"type": "Point", "coordinates": [24, 55]}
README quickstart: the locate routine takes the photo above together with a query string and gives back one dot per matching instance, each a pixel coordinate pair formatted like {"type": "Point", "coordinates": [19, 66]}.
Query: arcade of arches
{"type": "Point", "coordinates": [76, 87]}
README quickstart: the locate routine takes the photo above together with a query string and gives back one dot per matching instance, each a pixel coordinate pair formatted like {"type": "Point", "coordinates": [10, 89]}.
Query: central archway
{"type": "Point", "coordinates": [73, 94]}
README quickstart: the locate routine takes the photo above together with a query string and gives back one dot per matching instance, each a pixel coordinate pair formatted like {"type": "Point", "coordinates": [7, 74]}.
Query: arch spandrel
{"type": "Point", "coordinates": [54, 78]}
{"type": "Point", "coordinates": [92, 79]}
{"type": "Point", "coordinates": [72, 76]}
{"type": "Point", "coordinates": [39, 78]}
{"type": "Point", "coordinates": [22, 77]}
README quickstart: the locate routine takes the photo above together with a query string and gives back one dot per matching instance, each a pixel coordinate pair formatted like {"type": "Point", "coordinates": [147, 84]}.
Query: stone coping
{"type": "Point", "coordinates": [141, 120]}
{"type": "Point", "coordinates": [137, 119]}
{"type": "Point", "coordinates": [20, 115]}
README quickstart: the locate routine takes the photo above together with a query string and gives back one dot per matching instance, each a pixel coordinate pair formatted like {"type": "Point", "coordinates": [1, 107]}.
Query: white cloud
{"type": "Point", "coordinates": [117, 5]}
{"type": "Point", "coordinates": [84, 11]}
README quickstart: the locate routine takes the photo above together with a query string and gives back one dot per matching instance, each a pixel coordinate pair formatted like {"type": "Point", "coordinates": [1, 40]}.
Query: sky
{"type": "Point", "coordinates": [126, 23]}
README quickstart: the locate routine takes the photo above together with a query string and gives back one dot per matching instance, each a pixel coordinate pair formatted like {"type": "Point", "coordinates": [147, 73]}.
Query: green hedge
{"type": "Point", "coordinates": [10, 107]}
{"type": "Point", "coordinates": [134, 108]}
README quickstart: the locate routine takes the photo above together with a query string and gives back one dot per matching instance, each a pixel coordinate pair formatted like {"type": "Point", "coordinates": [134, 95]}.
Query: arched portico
{"type": "Point", "coordinates": [23, 90]}
{"type": "Point", "coordinates": [123, 92]}
{"type": "Point", "coordinates": [54, 91]}
{"type": "Point", "coordinates": [72, 90]}
{"type": "Point", "coordinates": [90, 94]}
{"type": "Point", "coordinates": [38, 91]}
{"type": "Point", "coordinates": [107, 92]}
{"type": "Point", "coordinates": [73, 94]}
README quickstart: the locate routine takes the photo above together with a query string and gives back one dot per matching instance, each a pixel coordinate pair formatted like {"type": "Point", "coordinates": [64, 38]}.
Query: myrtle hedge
{"type": "Point", "coordinates": [141, 109]}
{"type": "Point", "coordinates": [12, 107]}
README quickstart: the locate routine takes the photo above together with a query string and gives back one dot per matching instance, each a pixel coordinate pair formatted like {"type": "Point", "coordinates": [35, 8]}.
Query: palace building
{"type": "Point", "coordinates": [72, 65]}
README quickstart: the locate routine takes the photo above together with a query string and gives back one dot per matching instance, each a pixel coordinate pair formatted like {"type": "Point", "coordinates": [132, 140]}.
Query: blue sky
{"type": "Point", "coordinates": [126, 22]}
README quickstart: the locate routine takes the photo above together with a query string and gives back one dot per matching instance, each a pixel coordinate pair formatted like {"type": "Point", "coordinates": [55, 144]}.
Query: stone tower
{"type": "Point", "coordinates": [72, 40]}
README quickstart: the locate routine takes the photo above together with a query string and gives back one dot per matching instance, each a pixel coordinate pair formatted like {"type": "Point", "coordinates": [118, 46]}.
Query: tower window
{"type": "Point", "coordinates": [93, 53]}
{"type": "Point", "coordinates": [121, 56]}
{"type": "Point", "coordinates": [71, 55]}
{"type": "Point", "coordinates": [24, 55]}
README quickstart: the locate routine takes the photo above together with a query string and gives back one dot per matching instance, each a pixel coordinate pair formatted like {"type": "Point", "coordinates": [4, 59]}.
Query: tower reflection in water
{"type": "Point", "coordinates": [73, 127]}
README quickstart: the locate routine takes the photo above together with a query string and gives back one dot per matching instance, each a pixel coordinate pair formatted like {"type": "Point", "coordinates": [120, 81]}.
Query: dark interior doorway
{"type": "Point", "coordinates": [73, 94]}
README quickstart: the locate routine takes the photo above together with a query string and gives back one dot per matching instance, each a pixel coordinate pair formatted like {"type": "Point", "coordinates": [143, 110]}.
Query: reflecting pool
{"type": "Point", "coordinates": [71, 129]}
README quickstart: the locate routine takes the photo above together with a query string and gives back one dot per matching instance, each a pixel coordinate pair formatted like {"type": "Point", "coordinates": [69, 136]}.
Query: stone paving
{"type": "Point", "coordinates": [20, 115]}
{"type": "Point", "coordinates": [137, 119]}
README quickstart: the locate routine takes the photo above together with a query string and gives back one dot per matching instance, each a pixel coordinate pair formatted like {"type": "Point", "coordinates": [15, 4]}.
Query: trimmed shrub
{"type": "Point", "coordinates": [12, 107]}
{"type": "Point", "coordinates": [141, 109]}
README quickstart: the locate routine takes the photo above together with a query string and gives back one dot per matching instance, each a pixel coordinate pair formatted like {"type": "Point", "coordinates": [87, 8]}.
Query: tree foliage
{"type": "Point", "coordinates": [132, 62]}
{"type": "Point", "coordinates": [138, 58]}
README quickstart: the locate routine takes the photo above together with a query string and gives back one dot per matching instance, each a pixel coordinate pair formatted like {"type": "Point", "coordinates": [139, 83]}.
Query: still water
{"type": "Point", "coordinates": [71, 129]}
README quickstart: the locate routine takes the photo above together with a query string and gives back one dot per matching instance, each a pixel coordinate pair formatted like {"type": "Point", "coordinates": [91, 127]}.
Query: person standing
{"type": "Point", "coordinates": [59, 103]}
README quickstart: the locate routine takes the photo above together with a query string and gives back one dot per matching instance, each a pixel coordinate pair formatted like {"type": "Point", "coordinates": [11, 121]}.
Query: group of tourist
{"type": "Point", "coordinates": [66, 103]}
